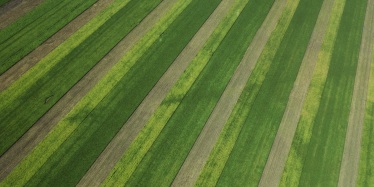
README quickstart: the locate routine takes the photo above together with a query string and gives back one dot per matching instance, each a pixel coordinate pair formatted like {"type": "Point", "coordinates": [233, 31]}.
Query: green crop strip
{"type": "Point", "coordinates": [79, 113]}
{"type": "Point", "coordinates": [261, 123]}
{"type": "Point", "coordinates": [3, 2]}
{"type": "Point", "coordinates": [31, 30]}
{"type": "Point", "coordinates": [157, 122]}
{"type": "Point", "coordinates": [295, 159]}
{"type": "Point", "coordinates": [322, 162]}
{"type": "Point", "coordinates": [220, 153]}
{"type": "Point", "coordinates": [165, 152]}
{"type": "Point", "coordinates": [366, 176]}
{"type": "Point", "coordinates": [46, 84]}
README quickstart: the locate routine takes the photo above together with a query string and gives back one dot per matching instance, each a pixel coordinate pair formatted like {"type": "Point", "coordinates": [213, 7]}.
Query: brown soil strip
{"type": "Point", "coordinates": [351, 156]}
{"type": "Point", "coordinates": [113, 152]}
{"type": "Point", "coordinates": [35, 56]}
{"type": "Point", "coordinates": [14, 9]}
{"type": "Point", "coordinates": [41, 128]}
{"type": "Point", "coordinates": [274, 167]}
{"type": "Point", "coordinates": [204, 144]}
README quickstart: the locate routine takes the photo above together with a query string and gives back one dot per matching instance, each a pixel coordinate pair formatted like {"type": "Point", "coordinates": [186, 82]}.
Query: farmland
{"type": "Point", "coordinates": [186, 93]}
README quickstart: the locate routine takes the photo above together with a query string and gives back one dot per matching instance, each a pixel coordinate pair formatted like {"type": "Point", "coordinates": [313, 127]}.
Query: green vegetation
{"type": "Point", "coordinates": [262, 121]}
{"type": "Point", "coordinates": [303, 133]}
{"type": "Point", "coordinates": [26, 100]}
{"type": "Point", "coordinates": [366, 177]}
{"type": "Point", "coordinates": [72, 159]}
{"type": "Point", "coordinates": [177, 137]}
{"type": "Point", "coordinates": [220, 153]}
{"type": "Point", "coordinates": [126, 166]}
{"type": "Point", "coordinates": [3, 2]}
{"type": "Point", "coordinates": [31, 30]}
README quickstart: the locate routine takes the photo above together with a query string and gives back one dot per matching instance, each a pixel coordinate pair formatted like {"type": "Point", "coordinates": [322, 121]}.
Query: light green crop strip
{"type": "Point", "coordinates": [303, 133]}
{"type": "Point", "coordinates": [221, 151]}
{"type": "Point", "coordinates": [366, 156]}
{"type": "Point", "coordinates": [40, 154]}
{"type": "Point", "coordinates": [41, 68]}
{"type": "Point", "coordinates": [138, 149]}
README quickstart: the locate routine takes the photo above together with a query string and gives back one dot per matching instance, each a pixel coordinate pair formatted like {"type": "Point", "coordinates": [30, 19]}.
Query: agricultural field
{"type": "Point", "coordinates": [186, 93]}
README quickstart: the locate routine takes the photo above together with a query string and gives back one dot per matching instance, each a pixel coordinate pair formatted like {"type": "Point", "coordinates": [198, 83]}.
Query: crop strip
{"type": "Point", "coordinates": [199, 153]}
{"type": "Point", "coordinates": [366, 177]}
{"type": "Point", "coordinates": [113, 152]}
{"type": "Point", "coordinates": [40, 129]}
{"type": "Point", "coordinates": [17, 70]}
{"type": "Point", "coordinates": [350, 164]}
{"type": "Point", "coordinates": [220, 153]}
{"type": "Point", "coordinates": [24, 35]}
{"type": "Point", "coordinates": [292, 169]}
{"type": "Point", "coordinates": [15, 9]}
{"type": "Point", "coordinates": [279, 152]}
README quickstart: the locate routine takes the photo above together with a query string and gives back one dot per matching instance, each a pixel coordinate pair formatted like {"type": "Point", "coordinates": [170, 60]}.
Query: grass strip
{"type": "Point", "coordinates": [3, 2]}
{"type": "Point", "coordinates": [166, 151]}
{"type": "Point", "coordinates": [79, 113]}
{"type": "Point", "coordinates": [74, 157]}
{"type": "Point", "coordinates": [260, 124]}
{"type": "Point", "coordinates": [40, 94]}
{"type": "Point", "coordinates": [295, 159]}
{"type": "Point", "coordinates": [143, 142]}
{"type": "Point", "coordinates": [366, 176]}
{"type": "Point", "coordinates": [31, 30]}
{"type": "Point", "coordinates": [321, 164]}
{"type": "Point", "coordinates": [220, 153]}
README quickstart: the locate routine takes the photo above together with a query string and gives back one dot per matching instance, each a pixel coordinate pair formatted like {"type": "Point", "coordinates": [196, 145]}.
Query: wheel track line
{"type": "Point", "coordinates": [40, 129]}
{"type": "Point", "coordinates": [14, 9]}
{"type": "Point", "coordinates": [204, 144]}
{"type": "Point", "coordinates": [27, 62]}
{"type": "Point", "coordinates": [351, 155]}
{"type": "Point", "coordinates": [115, 149]}
{"type": "Point", "coordinates": [275, 164]}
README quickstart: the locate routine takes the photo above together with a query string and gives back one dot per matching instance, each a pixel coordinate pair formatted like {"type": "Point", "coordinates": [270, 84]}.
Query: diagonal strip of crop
{"type": "Point", "coordinates": [295, 159]}
{"type": "Point", "coordinates": [24, 35]}
{"type": "Point", "coordinates": [366, 176]}
{"type": "Point", "coordinates": [220, 153]}
{"type": "Point", "coordinates": [177, 137]}
{"type": "Point", "coordinates": [25, 103]}
{"type": "Point", "coordinates": [322, 162]}
{"type": "Point", "coordinates": [159, 119]}
{"type": "Point", "coordinates": [79, 113]}
{"type": "Point", "coordinates": [261, 123]}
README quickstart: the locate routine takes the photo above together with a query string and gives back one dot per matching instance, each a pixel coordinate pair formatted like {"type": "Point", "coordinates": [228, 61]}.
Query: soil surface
{"type": "Point", "coordinates": [351, 155]}
{"type": "Point", "coordinates": [41, 128]}
{"type": "Point", "coordinates": [204, 144]}
{"type": "Point", "coordinates": [113, 152]}
{"type": "Point", "coordinates": [273, 170]}
{"type": "Point", "coordinates": [14, 9]}
{"type": "Point", "coordinates": [27, 62]}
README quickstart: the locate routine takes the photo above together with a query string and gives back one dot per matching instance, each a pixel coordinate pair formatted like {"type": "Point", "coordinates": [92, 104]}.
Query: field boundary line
{"type": "Point", "coordinates": [275, 164]}
{"type": "Point", "coordinates": [15, 9]}
{"type": "Point", "coordinates": [49, 120]}
{"type": "Point", "coordinates": [27, 62]}
{"type": "Point", "coordinates": [120, 143]}
{"type": "Point", "coordinates": [199, 153]}
{"type": "Point", "coordinates": [351, 156]}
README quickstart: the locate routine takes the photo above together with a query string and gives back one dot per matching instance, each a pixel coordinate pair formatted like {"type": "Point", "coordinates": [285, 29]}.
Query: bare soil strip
{"type": "Point", "coordinates": [14, 9]}
{"type": "Point", "coordinates": [41, 128]}
{"type": "Point", "coordinates": [113, 152]}
{"type": "Point", "coordinates": [16, 71]}
{"type": "Point", "coordinates": [204, 144]}
{"type": "Point", "coordinates": [351, 155]}
{"type": "Point", "coordinates": [275, 164]}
